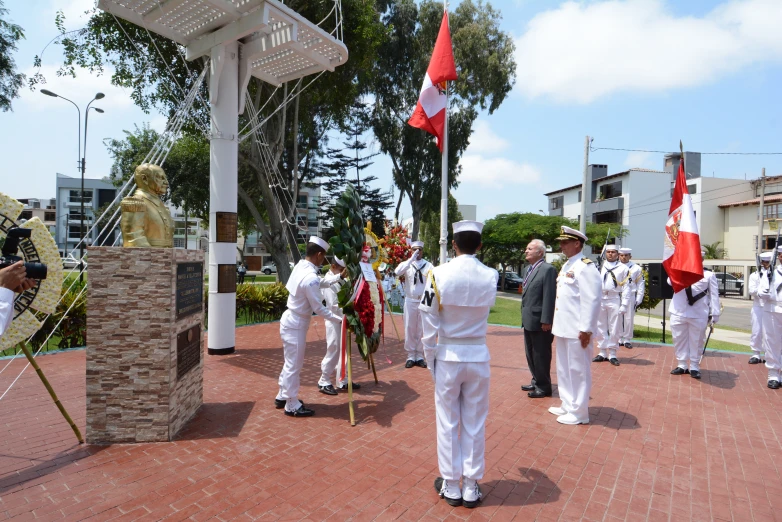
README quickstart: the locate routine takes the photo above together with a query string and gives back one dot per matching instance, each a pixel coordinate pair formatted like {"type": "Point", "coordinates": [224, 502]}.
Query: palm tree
{"type": "Point", "coordinates": [715, 251]}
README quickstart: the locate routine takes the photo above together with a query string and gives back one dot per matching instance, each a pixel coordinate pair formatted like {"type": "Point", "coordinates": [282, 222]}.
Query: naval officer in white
{"type": "Point", "coordinates": [758, 302]}
{"type": "Point", "coordinates": [415, 271]}
{"type": "Point", "coordinates": [304, 298]}
{"type": "Point", "coordinates": [455, 312]}
{"type": "Point", "coordinates": [771, 293]}
{"type": "Point", "coordinates": [637, 290]}
{"type": "Point", "coordinates": [575, 320]}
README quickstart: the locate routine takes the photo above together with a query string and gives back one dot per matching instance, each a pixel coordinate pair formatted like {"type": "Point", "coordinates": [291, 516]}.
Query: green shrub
{"type": "Point", "coordinates": [72, 331]}
{"type": "Point", "coordinates": [257, 303]}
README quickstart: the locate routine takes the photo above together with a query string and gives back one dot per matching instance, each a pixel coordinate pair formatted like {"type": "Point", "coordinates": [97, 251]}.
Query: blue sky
{"type": "Point", "coordinates": [634, 74]}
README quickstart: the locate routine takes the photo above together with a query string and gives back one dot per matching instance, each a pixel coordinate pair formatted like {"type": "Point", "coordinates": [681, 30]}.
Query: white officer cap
{"type": "Point", "coordinates": [612, 247]}
{"type": "Point", "coordinates": [339, 261]}
{"type": "Point", "coordinates": [318, 241]}
{"type": "Point", "coordinates": [571, 233]}
{"type": "Point", "coordinates": [766, 256]}
{"type": "Point", "coordinates": [417, 244]}
{"type": "Point", "coordinates": [625, 250]}
{"type": "Point", "coordinates": [467, 226]}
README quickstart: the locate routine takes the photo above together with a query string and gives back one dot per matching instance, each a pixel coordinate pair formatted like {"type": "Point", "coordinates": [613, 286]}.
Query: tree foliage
{"type": "Point", "coordinates": [10, 80]}
{"type": "Point", "coordinates": [715, 251]}
{"type": "Point", "coordinates": [484, 62]}
{"type": "Point", "coordinates": [430, 229]}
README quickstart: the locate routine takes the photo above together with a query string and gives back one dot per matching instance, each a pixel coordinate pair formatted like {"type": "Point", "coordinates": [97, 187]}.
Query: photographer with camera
{"type": "Point", "coordinates": [13, 280]}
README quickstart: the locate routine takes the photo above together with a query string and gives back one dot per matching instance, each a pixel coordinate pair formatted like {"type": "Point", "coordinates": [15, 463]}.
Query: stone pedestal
{"type": "Point", "coordinates": [144, 343]}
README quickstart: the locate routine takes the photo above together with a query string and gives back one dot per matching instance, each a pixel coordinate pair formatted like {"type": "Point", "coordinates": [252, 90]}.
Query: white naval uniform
{"type": "Point", "coordinates": [576, 310]}
{"type": "Point", "coordinates": [304, 298]}
{"type": "Point", "coordinates": [688, 322]}
{"type": "Point", "coordinates": [637, 289]}
{"type": "Point", "coordinates": [772, 322]}
{"type": "Point", "coordinates": [613, 304]}
{"type": "Point", "coordinates": [332, 361]}
{"type": "Point", "coordinates": [455, 344]}
{"type": "Point", "coordinates": [415, 274]}
{"type": "Point", "coordinates": [756, 338]}
{"type": "Point", "coordinates": [6, 308]}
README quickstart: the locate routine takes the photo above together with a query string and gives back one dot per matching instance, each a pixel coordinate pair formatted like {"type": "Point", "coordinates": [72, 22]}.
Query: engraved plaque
{"type": "Point", "coordinates": [226, 227]}
{"type": "Point", "coordinates": [189, 289]}
{"type": "Point", "coordinates": [188, 350]}
{"type": "Point", "coordinates": [226, 279]}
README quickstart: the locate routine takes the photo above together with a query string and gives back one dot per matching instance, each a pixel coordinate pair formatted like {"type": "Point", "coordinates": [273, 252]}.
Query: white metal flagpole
{"type": "Point", "coordinates": [444, 179]}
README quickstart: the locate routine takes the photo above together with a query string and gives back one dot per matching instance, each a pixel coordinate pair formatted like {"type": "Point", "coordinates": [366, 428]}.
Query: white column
{"type": "Point", "coordinates": [224, 152]}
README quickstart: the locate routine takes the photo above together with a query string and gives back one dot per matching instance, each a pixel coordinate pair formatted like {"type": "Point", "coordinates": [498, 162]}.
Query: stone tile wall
{"type": "Point", "coordinates": [132, 390]}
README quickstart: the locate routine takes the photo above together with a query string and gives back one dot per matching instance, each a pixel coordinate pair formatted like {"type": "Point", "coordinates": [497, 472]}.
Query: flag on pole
{"type": "Point", "coordinates": [682, 246]}
{"type": "Point", "coordinates": [429, 113]}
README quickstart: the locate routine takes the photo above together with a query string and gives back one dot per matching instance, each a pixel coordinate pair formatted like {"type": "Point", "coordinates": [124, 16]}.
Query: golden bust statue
{"type": "Point", "coordinates": [146, 222]}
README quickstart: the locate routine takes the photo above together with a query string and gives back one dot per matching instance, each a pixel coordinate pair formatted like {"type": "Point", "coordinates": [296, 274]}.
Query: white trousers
{"type": "Point", "coordinates": [461, 399]}
{"type": "Point", "coordinates": [414, 330]}
{"type": "Point", "coordinates": [294, 343]}
{"type": "Point", "coordinates": [332, 361]}
{"type": "Point", "coordinates": [689, 334]}
{"type": "Point", "coordinates": [772, 343]}
{"type": "Point", "coordinates": [574, 376]}
{"type": "Point", "coordinates": [756, 339]}
{"type": "Point", "coordinates": [628, 322]}
{"type": "Point", "coordinates": [609, 327]}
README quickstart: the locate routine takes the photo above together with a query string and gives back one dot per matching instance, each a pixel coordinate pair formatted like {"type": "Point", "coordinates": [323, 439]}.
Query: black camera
{"type": "Point", "coordinates": [9, 257]}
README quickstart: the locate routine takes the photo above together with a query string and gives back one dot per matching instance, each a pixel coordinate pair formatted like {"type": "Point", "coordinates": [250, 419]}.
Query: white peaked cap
{"type": "Point", "coordinates": [611, 247]}
{"type": "Point", "coordinates": [571, 233]}
{"type": "Point", "coordinates": [467, 226]}
{"type": "Point", "coordinates": [320, 242]}
{"type": "Point", "coordinates": [766, 256]}
{"type": "Point", "coordinates": [417, 244]}
{"type": "Point", "coordinates": [339, 261]}
{"type": "Point", "coordinates": [625, 250]}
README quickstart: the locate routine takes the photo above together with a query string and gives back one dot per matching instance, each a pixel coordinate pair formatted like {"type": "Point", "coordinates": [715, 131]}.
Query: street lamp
{"type": "Point", "coordinates": [81, 164]}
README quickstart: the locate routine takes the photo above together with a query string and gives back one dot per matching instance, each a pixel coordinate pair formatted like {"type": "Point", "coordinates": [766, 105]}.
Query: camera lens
{"type": "Point", "coordinates": [35, 270]}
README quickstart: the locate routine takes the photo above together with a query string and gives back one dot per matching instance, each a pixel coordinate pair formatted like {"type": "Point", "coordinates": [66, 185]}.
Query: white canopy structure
{"type": "Point", "coordinates": [243, 38]}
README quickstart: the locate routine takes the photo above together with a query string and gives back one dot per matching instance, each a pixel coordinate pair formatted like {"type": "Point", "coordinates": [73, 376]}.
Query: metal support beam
{"type": "Point", "coordinates": [253, 22]}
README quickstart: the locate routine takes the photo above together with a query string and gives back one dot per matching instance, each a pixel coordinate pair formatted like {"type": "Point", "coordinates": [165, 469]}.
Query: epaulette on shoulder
{"type": "Point", "coordinates": [133, 204]}
{"type": "Point", "coordinates": [586, 260]}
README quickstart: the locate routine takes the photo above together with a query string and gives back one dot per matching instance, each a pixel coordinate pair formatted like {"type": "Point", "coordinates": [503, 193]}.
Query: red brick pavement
{"type": "Point", "coordinates": [659, 447]}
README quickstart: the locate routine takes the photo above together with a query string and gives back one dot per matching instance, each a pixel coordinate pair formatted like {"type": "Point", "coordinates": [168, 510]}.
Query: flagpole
{"type": "Point", "coordinates": [444, 178]}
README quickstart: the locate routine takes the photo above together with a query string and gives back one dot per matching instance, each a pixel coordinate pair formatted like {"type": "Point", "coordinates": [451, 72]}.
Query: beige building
{"type": "Point", "coordinates": [740, 218]}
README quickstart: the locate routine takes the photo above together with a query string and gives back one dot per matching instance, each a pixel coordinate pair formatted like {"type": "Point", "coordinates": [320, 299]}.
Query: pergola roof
{"type": "Point", "coordinates": [278, 43]}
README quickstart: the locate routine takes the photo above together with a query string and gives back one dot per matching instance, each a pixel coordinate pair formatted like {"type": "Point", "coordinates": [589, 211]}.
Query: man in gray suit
{"type": "Point", "coordinates": [539, 292]}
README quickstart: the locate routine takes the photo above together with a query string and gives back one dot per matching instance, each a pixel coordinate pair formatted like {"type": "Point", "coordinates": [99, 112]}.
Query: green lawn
{"type": "Point", "coordinates": [506, 312]}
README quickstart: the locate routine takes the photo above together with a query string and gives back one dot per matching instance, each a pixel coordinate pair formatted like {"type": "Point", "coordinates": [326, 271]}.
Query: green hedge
{"type": "Point", "coordinates": [256, 303]}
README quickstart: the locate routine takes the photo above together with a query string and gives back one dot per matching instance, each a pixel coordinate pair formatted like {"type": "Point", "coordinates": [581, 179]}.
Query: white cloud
{"type": "Point", "coordinates": [80, 89]}
{"type": "Point", "coordinates": [496, 172]}
{"type": "Point", "coordinates": [580, 52]}
{"type": "Point", "coordinates": [639, 160]}
{"type": "Point", "coordinates": [484, 140]}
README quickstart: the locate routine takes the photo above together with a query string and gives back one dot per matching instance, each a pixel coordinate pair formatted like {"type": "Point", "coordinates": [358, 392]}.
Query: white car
{"type": "Point", "coordinates": [269, 269]}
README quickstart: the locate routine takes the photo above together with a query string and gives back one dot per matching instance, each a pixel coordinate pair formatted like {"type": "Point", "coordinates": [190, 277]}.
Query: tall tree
{"type": "Point", "coordinates": [278, 159]}
{"type": "Point", "coordinates": [10, 80]}
{"type": "Point", "coordinates": [430, 228]}
{"type": "Point", "coordinates": [484, 62]}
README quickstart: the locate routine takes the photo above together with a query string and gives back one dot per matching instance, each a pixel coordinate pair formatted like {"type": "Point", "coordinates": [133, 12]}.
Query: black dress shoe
{"type": "Point", "coordinates": [538, 394]}
{"type": "Point", "coordinates": [344, 387]}
{"type": "Point", "coordinates": [754, 360]}
{"type": "Point", "coordinates": [328, 390]}
{"type": "Point", "coordinates": [621, 344]}
{"type": "Point", "coordinates": [614, 361]}
{"type": "Point", "coordinates": [301, 412]}
{"type": "Point", "coordinates": [599, 358]}
{"type": "Point", "coordinates": [774, 385]}
{"type": "Point", "coordinates": [279, 403]}
{"type": "Point", "coordinates": [527, 387]}
{"type": "Point", "coordinates": [629, 346]}
{"type": "Point", "coordinates": [438, 487]}
{"type": "Point", "coordinates": [678, 371]}
{"type": "Point", "coordinates": [695, 374]}
{"type": "Point", "coordinates": [421, 363]}
{"type": "Point", "coordinates": [409, 363]}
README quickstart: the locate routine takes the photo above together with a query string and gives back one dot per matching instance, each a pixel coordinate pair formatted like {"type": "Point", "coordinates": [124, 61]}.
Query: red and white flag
{"type": "Point", "coordinates": [429, 113]}
{"type": "Point", "coordinates": [682, 251]}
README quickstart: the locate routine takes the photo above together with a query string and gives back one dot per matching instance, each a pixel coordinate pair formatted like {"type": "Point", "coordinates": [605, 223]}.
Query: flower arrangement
{"type": "Point", "coordinates": [396, 245]}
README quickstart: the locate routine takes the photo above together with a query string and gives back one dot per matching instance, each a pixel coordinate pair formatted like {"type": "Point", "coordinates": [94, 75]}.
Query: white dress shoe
{"type": "Point", "coordinates": [571, 419]}
{"type": "Point", "coordinates": [555, 410]}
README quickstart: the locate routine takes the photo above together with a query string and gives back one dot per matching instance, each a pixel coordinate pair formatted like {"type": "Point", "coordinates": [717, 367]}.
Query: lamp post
{"type": "Point", "coordinates": [81, 164]}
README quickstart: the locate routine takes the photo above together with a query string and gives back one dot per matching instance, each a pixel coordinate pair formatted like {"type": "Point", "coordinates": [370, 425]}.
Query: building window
{"type": "Point", "coordinates": [692, 189]}
{"type": "Point", "coordinates": [73, 232]}
{"type": "Point", "coordinates": [610, 190]}
{"type": "Point", "coordinates": [771, 188]}
{"type": "Point", "coordinates": [302, 201]}
{"type": "Point", "coordinates": [26, 214]}
{"type": "Point", "coordinates": [179, 242]}
{"type": "Point", "coordinates": [49, 216]}
{"type": "Point", "coordinates": [557, 202]}
{"type": "Point", "coordinates": [771, 211]}
{"type": "Point", "coordinates": [74, 196]}
{"type": "Point", "coordinates": [613, 216]}
{"type": "Point", "coordinates": [579, 196]}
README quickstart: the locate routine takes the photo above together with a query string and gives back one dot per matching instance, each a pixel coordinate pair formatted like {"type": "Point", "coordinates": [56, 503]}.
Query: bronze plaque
{"type": "Point", "coordinates": [188, 350]}
{"type": "Point", "coordinates": [226, 279]}
{"type": "Point", "coordinates": [189, 289]}
{"type": "Point", "coordinates": [226, 227]}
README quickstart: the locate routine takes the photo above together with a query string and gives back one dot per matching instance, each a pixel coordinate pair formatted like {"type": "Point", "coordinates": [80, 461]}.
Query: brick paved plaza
{"type": "Point", "coordinates": [659, 447]}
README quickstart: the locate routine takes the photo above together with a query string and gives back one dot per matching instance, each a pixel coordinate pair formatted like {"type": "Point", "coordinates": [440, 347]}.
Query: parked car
{"type": "Point", "coordinates": [728, 283]}
{"type": "Point", "coordinates": [512, 281]}
{"type": "Point", "coordinates": [269, 269]}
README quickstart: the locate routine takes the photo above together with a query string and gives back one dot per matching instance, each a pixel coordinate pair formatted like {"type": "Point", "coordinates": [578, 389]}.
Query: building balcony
{"type": "Point", "coordinates": [608, 205]}
{"type": "Point", "coordinates": [557, 212]}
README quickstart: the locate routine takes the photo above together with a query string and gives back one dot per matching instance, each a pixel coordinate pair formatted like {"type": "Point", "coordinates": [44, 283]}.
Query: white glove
{"type": "Point", "coordinates": [715, 319]}
{"type": "Point", "coordinates": [414, 255]}
{"type": "Point", "coordinates": [764, 294]}
{"type": "Point", "coordinates": [639, 303]}
{"type": "Point", "coordinates": [622, 309]}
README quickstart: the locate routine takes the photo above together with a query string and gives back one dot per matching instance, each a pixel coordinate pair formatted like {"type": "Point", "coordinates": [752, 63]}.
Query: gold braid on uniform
{"type": "Point", "coordinates": [436, 291]}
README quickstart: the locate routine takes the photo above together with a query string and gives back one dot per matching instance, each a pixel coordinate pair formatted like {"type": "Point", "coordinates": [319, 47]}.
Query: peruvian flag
{"type": "Point", "coordinates": [429, 114]}
{"type": "Point", "coordinates": [682, 250]}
